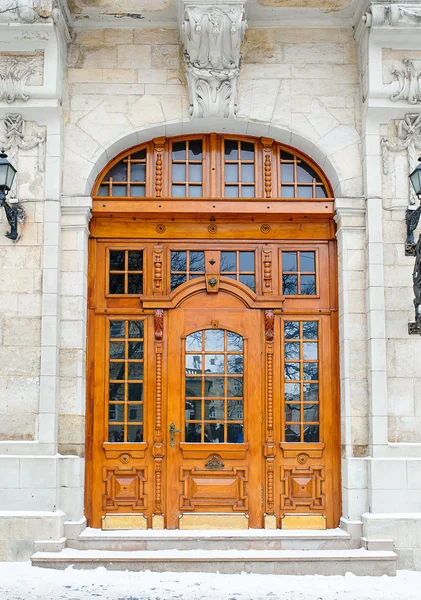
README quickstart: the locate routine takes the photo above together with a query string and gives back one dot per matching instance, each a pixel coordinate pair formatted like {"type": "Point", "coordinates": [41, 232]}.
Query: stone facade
{"type": "Point", "coordinates": [338, 93]}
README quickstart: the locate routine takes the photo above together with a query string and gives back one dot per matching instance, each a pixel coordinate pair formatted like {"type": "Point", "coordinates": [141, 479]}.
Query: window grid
{"type": "Point", "coordinates": [214, 387]}
{"type": "Point", "coordinates": [186, 265]}
{"type": "Point", "coordinates": [299, 179]}
{"type": "Point", "coordinates": [299, 273]}
{"type": "Point", "coordinates": [301, 381]}
{"type": "Point", "coordinates": [191, 165]}
{"type": "Point", "coordinates": [122, 277]}
{"type": "Point", "coordinates": [126, 382]}
{"type": "Point", "coordinates": [126, 178]}
{"type": "Point", "coordinates": [239, 265]}
{"type": "Point", "coordinates": [239, 169]}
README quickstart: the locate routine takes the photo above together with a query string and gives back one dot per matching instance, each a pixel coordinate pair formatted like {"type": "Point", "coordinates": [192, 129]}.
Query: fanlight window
{"type": "Point", "coordinates": [213, 166]}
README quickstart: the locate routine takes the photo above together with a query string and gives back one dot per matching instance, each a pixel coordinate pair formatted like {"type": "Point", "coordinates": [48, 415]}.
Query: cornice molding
{"type": "Point", "coordinates": [212, 33]}
{"type": "Point", "coordinates": [406, 14]}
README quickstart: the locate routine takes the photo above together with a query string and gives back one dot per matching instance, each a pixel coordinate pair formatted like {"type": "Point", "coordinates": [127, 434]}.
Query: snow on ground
{"type": "Point", "coordinates": [21, 581]}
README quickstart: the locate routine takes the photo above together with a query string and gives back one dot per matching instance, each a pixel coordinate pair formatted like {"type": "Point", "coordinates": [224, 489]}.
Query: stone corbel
{"type": "Point", "coordinates": [212, 33]}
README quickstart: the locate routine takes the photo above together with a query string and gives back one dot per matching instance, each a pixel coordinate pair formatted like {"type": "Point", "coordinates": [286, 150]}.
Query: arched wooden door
{"type": "Point", "coordinates": [212, 340]}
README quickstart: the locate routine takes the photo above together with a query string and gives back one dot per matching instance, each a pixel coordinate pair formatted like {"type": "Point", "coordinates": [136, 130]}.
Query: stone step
{"type": "Point", "coordinates": [251, 539]}
{"type": "Point", "coordinates": [278, 562]}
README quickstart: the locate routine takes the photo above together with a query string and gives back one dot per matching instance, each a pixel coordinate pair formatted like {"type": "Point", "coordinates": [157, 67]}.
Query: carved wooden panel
{"type": "Point", "coordinates": [219, 490]}
{"type": "Point", "coordinates": [124, 488]}
{"type": "Point", "coordinates": [302, 489]}
{"type": "Point", "coordinates": [158, 281]}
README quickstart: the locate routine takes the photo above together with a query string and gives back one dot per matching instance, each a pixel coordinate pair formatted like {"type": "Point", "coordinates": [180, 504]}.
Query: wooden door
{"type": "Point", "coordinates": [215, 415]}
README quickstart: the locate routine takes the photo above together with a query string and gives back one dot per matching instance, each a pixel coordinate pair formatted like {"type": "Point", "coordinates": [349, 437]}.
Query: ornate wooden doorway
{"type": "Point", "coordinates": [212, 344]}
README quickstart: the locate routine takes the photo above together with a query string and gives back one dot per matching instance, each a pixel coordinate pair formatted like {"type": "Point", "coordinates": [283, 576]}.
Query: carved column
{"type": "Point", "coordinates": [270, 446]}
{"type": "Point", "coordinates": [158, 447]}
{"type": "Point", "coordinates": [158, 157]}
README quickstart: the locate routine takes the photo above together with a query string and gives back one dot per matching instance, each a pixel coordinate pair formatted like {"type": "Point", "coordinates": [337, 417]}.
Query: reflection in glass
{"type": "Point", "coordinates": [197, 261]}
{"type": "Point", "coordinates": [247, 261]}
{"type": "Point", "coordinates": [235, 433]}
{"type": "Point", "coordinates": [193, 387]}
{"type": "Point", "coordinates": [307, 260]}
{"type": "Point", "coordinates": [311, 412]}
{"type": "Point", "coordinates": [135, 433]}
{"type": "Point", "coordinates": [116, 284]}
{"type": "Point", "coordinates": [135, 284]}
{"type": "Point", "coordinates": [116, 391]}
{"type": "Point", "coordinates": [292, 433]}
{"type": "Point", "coordinates": [290, 285]}
{"type": "Point", "coordinates": [135, 371]}
{"type": "Point", "coordinates": [310, 350]}
{"type": "Point", "coordinates": [214, 340]}
{"type": "Point", "coordinates": [235, 363]}
{"type": "Point", "coordinates": [119, 190]}
{"type": "Point", "coordinates": [235, 411]}
{"type": "Point", "coordinates": [179, 151]}
{"type": "Point", "coordinates": [292, 330]}
{"type": "Point", "coordinates": [235, 387]}
{"type": "Point", "coordinates": [311, 433]}
{"type": "Point", "coordinates": [138, 172]}
{"type": "Point", "coordinates": [116, 412]}
{"type": "Point", "coordinates": [320, 192]}
{"type": "Point", "coordinates": [289, 261]}
{"type": "Point", "coordinates": [305, 174]}
{"type": "Point", "coordinates": [234, 342]}
{"type": "Point", "coordinates": [117, 349]}
{"type": "Point", "coordinates": [193, 432]}
{"type": "Point", "coordinates": [135, 350]}
{"type": "Point", "coordinates": [116, 433]}
{"type": "Point", "coordinates": [292, 350]}
{"type": "Point", "coordinates": [247, 151]}
{"type": "Point", "coordinates": [310, 330]}
{"type": "Point", "coordinates": [231, 149]}
{"type": "Point", "coordinates": [117, 260]}
{"type": "Point", "coordinates": [292, 392]}
{"type": "Point", "coordinates": [194, 341]}
{"type": "Point", "coordinates": [214, 387]}
{"type": "Point", "coordinates": [292, 412]}
{"type": "Point", "coordinates": [214, 363]}
{"type": "Point", "coordinates": [135, 392]}
{"type": "Point", "coordinates": [136, 329]}
{"type": "Point", "coordinates": [117, 173]}
{"type": "Point", "coordinates": [248, 280]}
{"type": "Point", "coordinates": [178, 261]}
{"type": "Point", "coordinates": [311, 391]}
{"type": "Point", "coordinates": [292, 371]}
{"type": "Point", "coordinates": [308, 285]}
{"type": "Point", "coordinates": [311, 371]}
{"type": "Point", "coordinates": [177, 280]}
{"type": "Point", "coordinates": [193, 364]}
{"type": "Point", "coordinates": [214, 410]}
{"type": "Point", "coordinates": [135, 412]}
{"type": "Point", "coordinates": [195, 150]}
{"type": "Point", "coordinates": [228, 261]}
{"type": "Point", "coordinates": [214, 433]}
{"type": "Point", "coordinates": [135, 261]}
{"type": "Point", "coordinates": [117, 371]}
{"type": "Point", "coordinates": [193, 410]}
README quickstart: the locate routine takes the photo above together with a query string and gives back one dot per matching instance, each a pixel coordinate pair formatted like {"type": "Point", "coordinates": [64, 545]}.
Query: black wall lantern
{"type": "Point", "coordinates": [413, 248]}
{"type": "Point", "coordinates": [7, 177]}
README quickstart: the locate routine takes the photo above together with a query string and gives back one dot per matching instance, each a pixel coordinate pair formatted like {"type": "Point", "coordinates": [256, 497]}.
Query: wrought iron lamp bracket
{"type": "Point", "coordinates": [14, 215]}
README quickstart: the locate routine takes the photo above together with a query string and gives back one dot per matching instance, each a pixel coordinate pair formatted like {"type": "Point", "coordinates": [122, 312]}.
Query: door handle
{"type": "Point", "coordinates": [173, 430]}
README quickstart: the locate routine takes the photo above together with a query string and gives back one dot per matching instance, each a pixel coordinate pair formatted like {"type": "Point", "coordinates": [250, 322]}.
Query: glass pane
{"type": "Point", "coordinates": [179, 150]}
{"type": "Point", "coordinates": [292, 433]}
{"type": "Point", "coordinates": [195, 149]}
{"type": "Point", "coordinates": [214, 363]}
{"type": "Point", "coordinates": [193, 387]}
{"type": "Point", "coordinates": [292, 371]}
{"type": "Point", "coordinates": [135, 284]}
{"type": "Point", "coordinates": [289, 261]}
{"type": "Point", "coordinates": [117, 329]}
{"type": "Point", "coordinates": [228, 261]}
{"type": "Point", "coordinates": [231, 173]}
{"type": "Point", "coordinates": [305, 174]}
{"type": "Point", "coordinates": [214, 387]}
{"type": "Point", "coordinates": [291, 330]}
{"type": "Point", "coordinates": [103, 190]}
{"type": "Point", "coordinates": [178, 261]}
{"type": "Point", "coordinates": [247, 261]}
{"type": "Point", "coordinates": [195, 191]}
{"type": "Point", "coordinates": [116, 412]}
{"type": "Point", "coordinates": [287, 191]}
{"type": "Point", "coordinates": [118, 172]}
{"type": "Point", "coordinates": [137, 190]}
{"type": "Point", "coordinates": [117, 260]}
{"type": "Point", "coordinates": [235, 342]}
{"type": "Point", "coordinates": [214, 410]}
{"type": "Point", "coordinates": [308, 285]}
{"type": "Point", "coordinates": [311, 433]}
{"type": "Point", "coordinates": [179, 191]}
{"type": "Point", "coordinates": [214, 433]}
{"type": "Point", "coordinates": [177, 280]}
{"type": "Point", "coordinates": [141, 155]}
{"type": "Point", "coordinates": [194, 341]}
{"type": "Point", "coordinates": [138, 172]}
{"type": "Point", "coordinates": [231, 191]}
{"type": "Point", "coordinates": [214, 340]}
{"type": "Point", "coordinates": [135, 261]}
{"type": "Point", "coordinates": [320, 192]}
{"type": "Point", "coordinates": [116, 391]}
{"type": "Point", "coordinates": [248, 280]}
{"type": "Point", "coordinates": [135, 350]}
{"type": "Point", "coordinates": [135, 433]}
{"type": "Point", "coordinates": [311, 391]}
{"type": "Point", "coordinates": [311, 371]}
{"type": "Point", "coordinates": [193, 364]}
{"type": "Point", "coordinates": [247, 191]}
{"type": "Point", "coordinates": [116, 284]}
{"type": "Point", "coordinates": [305, 191]}
{"type": "Point", "coordinates": [235, 387]}
{"type": "Point", "coordinates": [135, 371]}
{"type": "Point", "coordinates": [135, 412]}
{"type": "Point", "coordinates": [136, 329]}
{"type": "Point", "coordinates": [197, 261]}
{"type": "Point", "coordinates": [235, 411]}
{"type": "Point", "coordinates": [231, 149]}
{"type": "Point", "coordinates": [247, 173]}
{"type": "Point", "coordinates": [195, 173]}
{"type": "Point", "coordinates": [135, 392]}
{"type": "Point", "coordinates": [307, 262]}
{"type": "Point", "coordinates": [290, 285]}
{"type": "Point", "coordinates": [193, 432]}
{"type": "Point", "coordinates": [116, 433]}
{"type": "Point", "coordinates": [179, 172]}
{"type": "Point", "coordinates": [247, 151]}
{"type": "Point", "coordinates": [120, 190]}
{"type": "Point", "coordinates": [193, 410]}
{"type": "Point", "coordinates": [311, 412]}
{"type": "Point", "coordinates": [310, 330]}
{"type": "Point", "coordinates": [292, 350]}
{"type": "Point", "coordinates": [310, 350]}
{"type": "Point", "coordinates": [287, 173]}
{"type": "Point", "coordinates": [292, 412]}
{"type": "Point", "coordinates": [292, 392]}
{"type": "Point", "coordinates": [117, 349]}
{"type": "Point", "coordinates": [235, 433]}
{"type": "Point", "coordinates": [235, 364]}
{"type": "Point", "coordinates": [117, 371]}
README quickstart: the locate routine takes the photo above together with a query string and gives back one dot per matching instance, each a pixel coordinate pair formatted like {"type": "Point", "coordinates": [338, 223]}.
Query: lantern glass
{"type": "Point", "coordinates": [7, 174]}
{"type": "Point", "coordinates": [415, 178]}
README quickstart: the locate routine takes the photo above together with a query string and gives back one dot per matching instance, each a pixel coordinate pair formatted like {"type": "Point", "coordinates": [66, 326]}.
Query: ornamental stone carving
{"type": "Point", "coordinates": [212, 34]}
{"type": "Point", "coordinates": [393, 15]}
{"type": "Point", "coordinates": [14, 79]}
{"type": "Point", "coordinates": [25, 11]}
{"type": "Point", "coordinates": [409, 79]}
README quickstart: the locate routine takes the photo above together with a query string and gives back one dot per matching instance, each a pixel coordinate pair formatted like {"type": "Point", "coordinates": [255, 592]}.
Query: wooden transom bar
{"type": "Point", "coordinates": [212, 338]}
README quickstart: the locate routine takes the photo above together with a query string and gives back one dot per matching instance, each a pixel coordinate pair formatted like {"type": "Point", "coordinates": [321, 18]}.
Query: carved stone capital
{"type": "Point", "coordinates": [212, 33]}
{"type": "Point", "coordinates": [393, 15]}
{"type": "Point", "coordinates": [409, 80]}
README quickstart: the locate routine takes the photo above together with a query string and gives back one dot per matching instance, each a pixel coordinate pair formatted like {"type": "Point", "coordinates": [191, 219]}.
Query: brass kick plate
{"type": "Point", "coordinates": [202, 521]}
{"type": "Point", "coordinates": [122, 521]}
{"type": "Point", "coordinates": [316, 522]}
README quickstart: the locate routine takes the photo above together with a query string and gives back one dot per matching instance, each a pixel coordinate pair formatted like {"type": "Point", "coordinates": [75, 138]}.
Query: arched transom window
{"type": "Point", "coordinates": [213, 166]}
